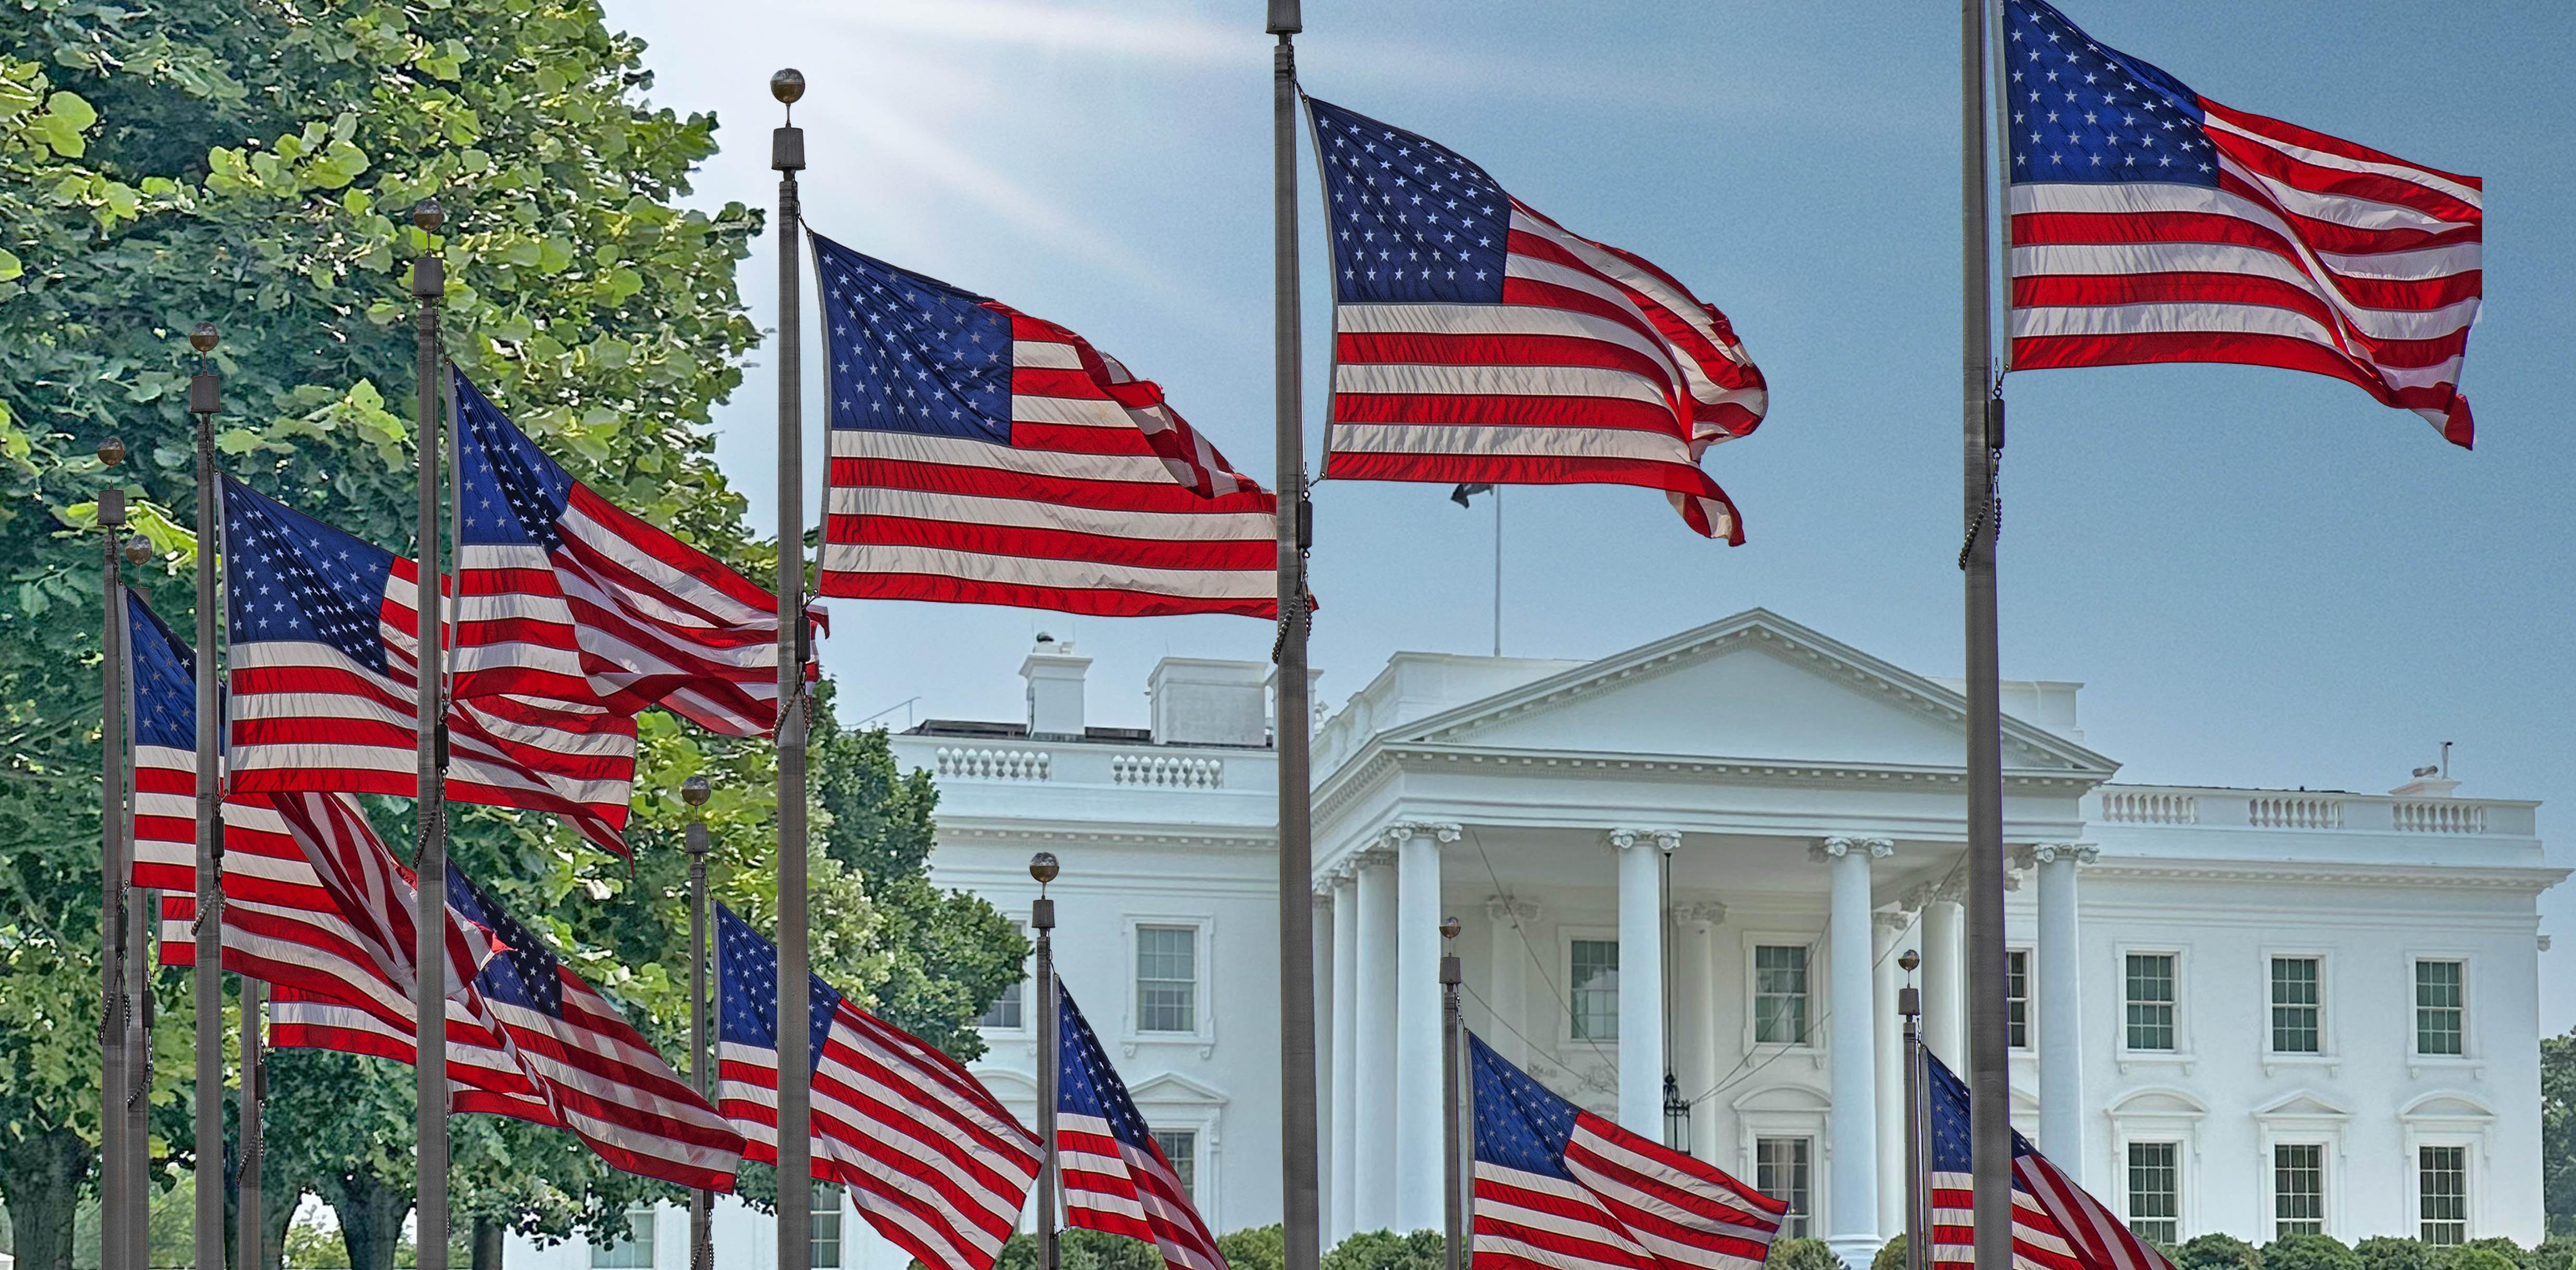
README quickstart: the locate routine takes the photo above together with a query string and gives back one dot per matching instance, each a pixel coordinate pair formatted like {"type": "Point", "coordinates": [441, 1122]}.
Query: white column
{"type": "Point", "coordinates": [1418, 1087]}
{"type": "Point", "coordinates": [1346, 1050]}
{"type": "Point", "coordinates": [1945, 1012]}
{"type": "Point", "coordinates": [1695, 1017]}
{"type": "Point", "coordinates": [1515, 932]}
{"type": "Point", "coordinates": [1890, 934]}
{"type": "Point", "coordinates": [1641, 976]}
{"type": "Point", "coordinates": [1852, 1135]}
{"type": "Point", "coordinates": [2060, 1007]}
{"type": "Point", "coordinates": [1374, 1099]}
{"type": "Point", "coordinates": [1324, 1032]}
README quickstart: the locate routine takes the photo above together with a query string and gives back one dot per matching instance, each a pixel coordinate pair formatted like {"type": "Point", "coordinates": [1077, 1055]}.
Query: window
{"type": "Point", "coordinates": [2439, 1005]}
{"type": "Point", "coordinates": [634, 1252]}
{"type": "Point", "coordinates": [2298, 1189]}
{"type": "Point", "coordinates": [825, 1244]}
{"type": "Point", "coordinates": [1167, 979]}
{"type": "Point", "coordinates": [2150, 986]}
{"type": "Point", "coordinates": [1180, 1148]}
{"type": "Point", "coordinates": [1593, 969]}
{"type": "Point", "coordinates": [2442, 1191]}
{"type": "Point", "coordinates": [2017, 998]}
{"type": "Point", "coordinates": [2155, 1188]}
{"type": "Point", "coordinates": [1781, 1169]}
{"type": "Point", "coordinates": [1007, 1009]}
{"type": "Point", "coordinates": [2297, 1007]}
{"type": "Point", "coordinates": [1780, 994]}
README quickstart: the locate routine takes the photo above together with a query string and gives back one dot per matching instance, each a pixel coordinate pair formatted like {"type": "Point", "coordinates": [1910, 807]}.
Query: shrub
{"type": "Point", "coordinates": [1258, 1248]}
{"type": "Point", "coordinates": [2217, 1252]}
{"type": "Point", "coordinates": [1804, 1254]}
{"type": "Point", "coordinates": [1890, 1257]}
{"type": "Point", "coordinates": [1387, 1250]}
{"type": "Point", "coordinates": [2381, 1252]}
{"type": "Point", "coordinates": [2558, 1252]}
{"type": "Point", "coordinates": [2309, 1252]}
{"type": "Point", "coordinates": [2499, 1245]}
{"type": "Point", "coordinates": [2475, 1256]}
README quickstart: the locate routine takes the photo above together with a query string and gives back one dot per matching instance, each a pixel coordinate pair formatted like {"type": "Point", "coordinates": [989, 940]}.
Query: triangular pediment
{"type": "Point", "coordinates": [1173, 1088]}
{"type": "Point", "coordinates": [1752, 686]}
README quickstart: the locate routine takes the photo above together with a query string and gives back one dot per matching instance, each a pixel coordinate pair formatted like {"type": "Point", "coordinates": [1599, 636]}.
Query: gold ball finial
{"type": "Point", "coordinates": [1449, 928]}
{"type": "Point", "coordinates": [788, 86]}
{"type": "Point", "coordinates": [695, 791]}
{"type": "Point", "coordinates": [1043, 867]}
{"type": "Point", "coordinates": [203, 337]}
{"type": "Point", "coordinates": [1908, 960]}
{"type": "Point", "coordinates": [111, 451]}
{"type": "Point", "coordinates": [138, 551]}
{"type": "Point", "coordinates": [428, 216]}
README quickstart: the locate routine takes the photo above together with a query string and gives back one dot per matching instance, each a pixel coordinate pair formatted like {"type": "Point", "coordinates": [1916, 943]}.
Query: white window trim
{"type": "Point", "coordinates": [1819, 1001]}
{"type": "Point", "coordinates": [2329, 1054]}
{"type": "Point", "coordinates": [1754, 1123]}
{"type": "Point", "coordinates": [1567, 1043]}
{"type": "Point", "coordinates": [2306, 1128]}
{"type": "Point", "coordinates": [2330, 1164]}
{"type": "Point", "coordinates": [2181, 1054]}
{"type": "Point", "coordinates": [1203, 1013]}
{"type": "Point", "coordinates": [2159, 1125]}
{"type": "Point", "coordinates": [2030, 998]}
{"type": "Point", "coordinates": [2470, 1058]}
{"type": "Point", "coordinates": [2186, 1167]}
{"type": "Point", "coordinates": [1815, 1169]}
{"type": "Point", "coordinates": [1178, 1103]}
{"type": "Point", "coordinates": [2474, 1132]}
{"type": "Point", "coordinates": [1028, 1027]}
{"type": "Point", "coordinates": [1203, 1124]}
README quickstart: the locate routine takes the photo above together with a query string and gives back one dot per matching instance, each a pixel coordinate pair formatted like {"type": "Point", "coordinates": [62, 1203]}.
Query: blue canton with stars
{"type": "Point", "coordinates": [512, 492]}
{"type": "Point", "coordinates": [1086, 1085]}
{"type": "Point", "coordinates": [523, 974]}
{"type": "Point", "coordinates": [1519, 1124]}
{"type": "Point", "coordinates": [910, 353]}
{"type": "Point", "coordinates": [289, 577]}
{"type": "Point", "coordinates": [747, 991]}
{"type": "Point", "coordinates": [2087, 112]}
{"type": "Point", "coordinates": [165, 679]}
{"type": "Point", "coordinates": [1952, 1149]}
{"type": "Point", "coordinates": [1412, 221]}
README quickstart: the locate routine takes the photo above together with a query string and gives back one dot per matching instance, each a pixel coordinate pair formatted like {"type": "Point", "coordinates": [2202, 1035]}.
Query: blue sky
{"type": "Point", "coordinates": [2263, 577]}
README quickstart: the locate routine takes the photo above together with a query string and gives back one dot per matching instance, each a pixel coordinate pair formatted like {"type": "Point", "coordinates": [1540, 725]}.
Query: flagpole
{"type": "Point", "coordinates": [1909, 1005]}
{"type": "Point", "coordinates": [1989, 1076]}
{"type": "Point", "coordinates": [1498, 570]}
{"type": "Point", "coordinates": [1301, 1198]}
{"type": "Point", "coordinates": [429, 860]}
{"type": "Point", "coordinates": [694, 791]}
{"type": "Point", "coordinates": [204, 399]}
{"type": "Point", "coordinates": [795, 1065]}
{"type": "Point", "coordinates": [114, 869]}
{"type": "Point", "coordinates": [1043, 867]}
{"type": "Point", "coordinates": [1452, 1100]}
{"type": "Point", "coordinates": [254, 1086]}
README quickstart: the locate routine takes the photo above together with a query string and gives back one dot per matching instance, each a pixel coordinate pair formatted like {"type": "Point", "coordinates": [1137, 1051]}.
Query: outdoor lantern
{"type": "Point", "coordinates": [1676, 1116]}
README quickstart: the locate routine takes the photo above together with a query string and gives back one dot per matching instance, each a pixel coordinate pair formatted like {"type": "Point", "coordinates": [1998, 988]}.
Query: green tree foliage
{"type": "Point", "coordinates": [2481, 1255]}
{"type": "Point", "coordinates": [2309, 1252]}
{"type": "Point", "coordinates": [2382, 1252]}
{"type": "Point", "coordinates": [1803, 1254]}
{"type": "Point", "coordinates": [2217, 1252]}
{"type": "Point", "coordinates": [1891, 1255]}
{"type": "Point", "coordinates": [2558, 1132]}
{"type": "Point", "coordinates": [1386, 1250]}
{"type": "Point", "coordinates": [1255, 1248]}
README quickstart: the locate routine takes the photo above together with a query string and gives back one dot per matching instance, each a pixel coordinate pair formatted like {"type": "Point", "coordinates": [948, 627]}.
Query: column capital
{"type": "Point", "coordinates": [1836, 848]}
{"type": "Point", "coordinates": [1504, 908]}
{"type": "Point", "coordinates": [1895, 922]}
{"type": "Point", "coordinates": [1442, 832]}
{"type": "Point", "coordinates": [2039, 853]}
{"type": "Point", "coordinates": [1703, 916]}
{"type": "Point", "coordinates": [1371, 856]}
{"type": "Point", "coordinates": [1664, 840]}
{"type": "Point", "coordinates": [1949, 890]}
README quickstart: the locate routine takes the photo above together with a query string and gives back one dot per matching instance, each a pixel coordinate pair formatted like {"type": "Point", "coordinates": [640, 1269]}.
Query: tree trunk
{"type": "Point", "coordinates": [43, 1175]}
{"type": "Point", "coordinates": [276, 1214]}
{"type": "Point", "coordinates": [487, 1244]}
{"type": "Point", "coordinates": [371, 1212]}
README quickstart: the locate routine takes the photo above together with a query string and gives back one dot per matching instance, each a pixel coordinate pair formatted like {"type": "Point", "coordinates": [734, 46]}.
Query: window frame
{"type": "Point", "coordinates": [2325, 1189]}
{"type": "Point", "coordinates": [2181, 1049]}
{"type": "Point", "coordinates": [2324, 1007]}
{"type": "Point", "coordinates": [2028, 1000]}
{"type": "Point", "coordinates": [2469, 1185]}
{"type": "Point", "coordinates": [1573, 990]}
{"type": "Point", "coordinates": [1819, 984]}
{"type": "Point", "coordinates": [838, 1210]}
{"type": "Point", "coordinates": [1566, 938]}
{"type": "Point", "coordinates": [2415, 1053]}
{"type": "Point", "coordinates": [2181, 1149]}
{"type": "Point", "coordinates": [1809, 1164]}
{"type": "Point", "coordinates": [650, 1243]}
{"type": "Point", "coordinates": [1193, 1184]}
{"type": "Point", "coordinates": [1203, 1005]}
{"type": "Point", "coordinates": [1027, 1025]}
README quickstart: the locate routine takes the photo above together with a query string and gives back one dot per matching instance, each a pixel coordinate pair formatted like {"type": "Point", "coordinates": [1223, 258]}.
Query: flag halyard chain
{"type": "Point", "coordinates": [1990, 516]}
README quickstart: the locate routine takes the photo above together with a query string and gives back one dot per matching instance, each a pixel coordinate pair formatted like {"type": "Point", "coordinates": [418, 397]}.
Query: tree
{"type": "Point", "coordinates": [1386, 1250]}
{"type": "Point", "coordinates": [2558, 1132]}
{"type": "Point", "coordinates": [1891, 1255]}
{"type": "Point", "coordinates": [1255, 1248]}
{"type": "Point", "coordinates": [2215, 1251]}
{"type": "Point", "coordinates": [1803, 1254]}
{"type": "Point", "coordinates": [2309, 1252]}
{"type": "Point", "coordinates": [2382, 1252]}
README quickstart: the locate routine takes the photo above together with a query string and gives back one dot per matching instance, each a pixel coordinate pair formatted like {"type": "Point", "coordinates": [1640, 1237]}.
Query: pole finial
{"type": "Point", "coordinates": [1043, 867]}
{"type": "Point", "coordinates": [695, 791]}
{"type": "Point", "coordinates": [428, 216]}
{"type": "Point", "coordinates": [1908, 960]}
{"type": "Point", "coordinates": [138, 551]}
{"type": "Point", "coordinates": [203, 337]}
{"type": "Point", "coordinates": [1449, 928]}
{"type": "Point", "coordinates": [111, 451]}
{"type": "Point", "coordinates": [788, 86]}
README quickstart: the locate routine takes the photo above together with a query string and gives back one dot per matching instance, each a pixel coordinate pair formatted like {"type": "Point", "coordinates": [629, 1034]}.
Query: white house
{"type": "Point", "coordinates": [2242, 1010]}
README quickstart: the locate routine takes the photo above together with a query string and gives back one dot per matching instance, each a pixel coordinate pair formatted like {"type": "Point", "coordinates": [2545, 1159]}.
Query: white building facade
{"type": "Point", "coordinates": [1685, 874]}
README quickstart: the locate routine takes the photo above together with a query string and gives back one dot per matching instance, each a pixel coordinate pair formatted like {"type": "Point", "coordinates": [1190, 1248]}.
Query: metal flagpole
{"type": "Point", "coordinates": [1042, 866]}
{"type": "Point", "coordinates": [204, 398]}
{"type": "Point", "coordinates": [254, 1087]}
{"type": "Point", "coordinates": [1301, 1195]}
{"type": "Point", "coordinates": [142, 914]}
{"type": "Point", "coordinates": [1989, 1082]}
{"type": "Point", "coordinates": [1498, 570]}
{"type": "Point", "coordinates": [1452, 1098]}
{"type": "Point", "coordinates": [795, 1065]}
{"type": "Point", "coordinates": [114, 868]}
{"type": "Point", "coordinates": [1909, 1005]}
{"type": "Point", "coordinates": [429, 861]}
{"type": "Point", "coordinates": [694, 791]}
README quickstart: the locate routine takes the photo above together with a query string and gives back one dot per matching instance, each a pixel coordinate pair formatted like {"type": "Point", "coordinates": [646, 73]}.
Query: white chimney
{"type": "Point", "coordinates": [1055, 688]}
{"type": "Point", "coordinates": [1198, 701]}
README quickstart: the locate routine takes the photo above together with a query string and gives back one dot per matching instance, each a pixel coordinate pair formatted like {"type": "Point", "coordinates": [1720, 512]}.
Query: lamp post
{"type": "Point", "coordinates": [1042, 867]}
{"type": "Point", "coordinates": [1909, 1003]}
{"type": "Point", "coordinates": [114, 867]}
{"type": "Point", "coordinates": [205, 392]}
{"type": "Point", "coordinates": [695, 791]}
{"type": "Point", "coordinates": [795, 1075]}
{"type": "Point", "coordinates": [1453, 1097]}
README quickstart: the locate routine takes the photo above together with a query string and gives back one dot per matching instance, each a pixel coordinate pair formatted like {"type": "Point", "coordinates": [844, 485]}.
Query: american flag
{"type": "Point", "coordinates": [1477, 340]}
{"type": "Point", "coordinates": [1116, 1178]}
{"type": "Point", "coordinates": [984, 456]}
{"type": "Point", "coordinates": [563, 596]}
{"type": "Point", "coordinates": [164, 729]}
{"type": "Point", "coordinates": [2056, 1226]}
{"type": "Point", "coordinates": [321, 657]}
{"type": "Point", "coordinates": [2151, 224]}
{"type": "Point", "coordinates": [1559, 1187]}
{"type": "Point", "coordinates": [931, 1158]}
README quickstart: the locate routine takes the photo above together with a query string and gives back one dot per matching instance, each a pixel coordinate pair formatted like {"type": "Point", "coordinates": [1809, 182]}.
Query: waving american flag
{"type": "Point", "coordinates": [1116, 1178]}
{"type": "Point", "coordinates": [2151, 224]}
{"type": "Point", "coordinates": [2056, 1225]}
{"type": "Point", "coordinates": [1477, 340]}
